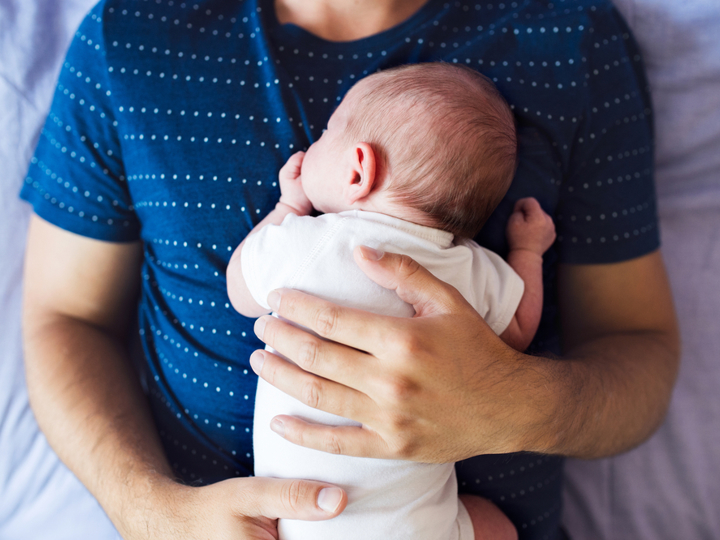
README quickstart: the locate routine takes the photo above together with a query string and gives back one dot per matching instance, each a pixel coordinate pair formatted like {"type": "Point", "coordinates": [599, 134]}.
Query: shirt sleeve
{"type": "Point", "coordinates": [76, 178]}
{"type": "Point", "coordinates": [607, 211]}
{"type": "Point", "coordinates": [277, 255]}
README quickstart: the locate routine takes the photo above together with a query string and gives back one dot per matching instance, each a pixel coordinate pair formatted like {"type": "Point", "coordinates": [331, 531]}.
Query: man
{"type": "Point", "coordinates": [133, 165]}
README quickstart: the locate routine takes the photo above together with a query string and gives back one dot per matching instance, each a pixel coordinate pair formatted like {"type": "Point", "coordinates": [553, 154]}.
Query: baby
{"type": "Point", "coordinates": [413, 161]}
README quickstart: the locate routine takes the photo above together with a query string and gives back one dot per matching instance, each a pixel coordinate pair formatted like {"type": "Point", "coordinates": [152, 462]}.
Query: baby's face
{"type": "Point", "coordinates": [322, 167]}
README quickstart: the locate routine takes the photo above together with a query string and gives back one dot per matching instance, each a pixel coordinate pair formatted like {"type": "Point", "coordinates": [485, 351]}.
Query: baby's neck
{"type": "Point", "coordinates": [384, 205]}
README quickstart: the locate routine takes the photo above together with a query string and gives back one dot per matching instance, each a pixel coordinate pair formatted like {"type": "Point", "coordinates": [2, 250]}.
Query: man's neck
{"type": "Point", "coordinates": [346, 20]}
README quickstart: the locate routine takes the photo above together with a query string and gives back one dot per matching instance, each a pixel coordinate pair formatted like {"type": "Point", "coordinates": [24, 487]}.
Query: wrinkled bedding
{"type": "Point", "coordinates": [39, 498]}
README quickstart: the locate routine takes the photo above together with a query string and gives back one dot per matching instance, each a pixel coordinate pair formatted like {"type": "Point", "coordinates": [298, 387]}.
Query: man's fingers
{"type": "Point", "coordinates": [313, 391]}
{"type": "Point", "coordinates": [314, 354]}
{"type": "Point", "coordinates": [352, 327]}
{"type": "Point", "coordinates": [289, 499]}
{"type": "Point", "coordinates": [345, 440]}
{"type": "Point", "coordinates": [413, 283]}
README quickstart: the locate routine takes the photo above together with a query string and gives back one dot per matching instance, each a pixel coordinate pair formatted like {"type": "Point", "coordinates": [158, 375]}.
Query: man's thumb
{"type": "Point", "coordinates": [296, 499]}
{"type": "Point", "coordinates": [412, 282]}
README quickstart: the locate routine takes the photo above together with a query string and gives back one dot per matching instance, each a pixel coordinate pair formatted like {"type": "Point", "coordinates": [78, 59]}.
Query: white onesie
{"type": "Point", "coordinates": [387, 499]}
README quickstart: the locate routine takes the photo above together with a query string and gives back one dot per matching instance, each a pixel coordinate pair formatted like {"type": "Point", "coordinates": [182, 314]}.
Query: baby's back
{"type": "Point", "coordinates": [387, 499]}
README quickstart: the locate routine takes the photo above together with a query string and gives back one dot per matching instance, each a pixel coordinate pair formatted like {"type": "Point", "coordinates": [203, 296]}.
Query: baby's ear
{"type": "Point", "coordinates": [363, 167]}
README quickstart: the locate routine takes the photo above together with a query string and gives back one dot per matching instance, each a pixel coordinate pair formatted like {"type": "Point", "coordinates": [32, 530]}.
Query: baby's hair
{"type": "Point", "coordinates": [445, 137]}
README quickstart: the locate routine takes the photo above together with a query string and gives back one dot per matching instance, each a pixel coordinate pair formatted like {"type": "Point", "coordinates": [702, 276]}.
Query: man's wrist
{"type": "Point", "coordinates": [149, 504]}
{"type": "Point", "coordinates": [547, 411]}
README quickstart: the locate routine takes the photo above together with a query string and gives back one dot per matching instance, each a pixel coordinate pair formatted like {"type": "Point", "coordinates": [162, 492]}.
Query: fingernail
{"type": "Point", "coordinates": [273, 300]}
{"type": "Point", "coordinates": [278, 427]}
{"type": "Point", "coordinates": [257, 359]}
{"type": "Point", "coordinates": [371, 254]}
{"type": "Point", "coordinates": [259, 327]}
{"type": "Point", "coordinates": [329, 499]}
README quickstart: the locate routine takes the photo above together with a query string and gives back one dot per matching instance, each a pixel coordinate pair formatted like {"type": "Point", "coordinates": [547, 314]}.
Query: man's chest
{"type": "Point", "coordinates": [208, 112]}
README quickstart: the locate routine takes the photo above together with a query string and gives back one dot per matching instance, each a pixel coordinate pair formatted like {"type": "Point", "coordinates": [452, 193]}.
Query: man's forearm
{"type": "Point", "coordinates": [89, 404]}
{"type": "Point", "coordinates": [621, 342]}
{"type": "Point", "coordinates": [608, 395]}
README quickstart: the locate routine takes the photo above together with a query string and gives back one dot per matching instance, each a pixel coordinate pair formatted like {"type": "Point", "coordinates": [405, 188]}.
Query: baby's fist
{"type": "Point", "coordinates": [530, 227]}
{"type": "Point", "coordinates": [291, 190]}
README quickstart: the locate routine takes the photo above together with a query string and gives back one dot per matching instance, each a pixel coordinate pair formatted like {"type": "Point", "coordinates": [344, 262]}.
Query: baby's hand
{"type": "Point", "coordinates": [529, 227]}
{"type": "Point", "coordinates": [291, 190]}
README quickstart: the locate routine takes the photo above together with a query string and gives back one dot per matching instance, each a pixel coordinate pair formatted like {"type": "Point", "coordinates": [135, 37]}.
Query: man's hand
{"type": "Point", "coordinates": [442, 386]}
{"type": "Point", "coordinates": [235, 509]}
{"type": "Point", "coordinates": [291, 189]}
{"type": "Point", "coordinates": [413, 383]}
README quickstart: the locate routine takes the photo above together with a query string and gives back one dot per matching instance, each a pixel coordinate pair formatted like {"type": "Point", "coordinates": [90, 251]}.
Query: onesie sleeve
{"type": "Point", "coordinates": [497, 287]}
{"type": "Point", "coordinates": [277, 255]}
{"type": "Point", "coordinates": [76, 178]}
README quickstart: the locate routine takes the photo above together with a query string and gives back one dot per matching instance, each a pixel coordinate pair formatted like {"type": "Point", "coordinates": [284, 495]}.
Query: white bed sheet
{"type": "Point", "coordinates": [39, 498]}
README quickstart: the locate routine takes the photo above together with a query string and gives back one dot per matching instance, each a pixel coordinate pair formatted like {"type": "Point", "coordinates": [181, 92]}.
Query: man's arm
{"type": "Point", "coordinates": [621, 338]}
{"type": "Point", "coordinates": [79, 297]}
{"type": "Point", "coordinates": [413, 383]}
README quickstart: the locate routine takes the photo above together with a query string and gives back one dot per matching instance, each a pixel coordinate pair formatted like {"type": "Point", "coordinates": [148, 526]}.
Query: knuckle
{"type": "Point", "coordinates": [407, 266]}
{"type": "Point", "coordinates": [310, 393]}
{"type": "Point", "coordinates": [399, 389]}
{"type": "Point", "coordinates": [293, 495]}
{"type": "Point", "coordinates": [405, 449]}
{"type": "Point", "coordinates": [409, 344]}
{"type": "Point", "coordinates": [403, 445]}
{"type": "Point", "coordinates": [327, 320]}
{"type": "Point", "coordinates": [308, 353]}
{"type": "Point", "coordinates": [332, 443]}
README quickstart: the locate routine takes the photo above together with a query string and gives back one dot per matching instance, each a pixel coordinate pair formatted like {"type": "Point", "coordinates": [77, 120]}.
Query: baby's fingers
{"type": "Point", "coordinates": [296, 159]}
{"type": "Point", "coordinates": [291, 169]}
{"type": "Point", "coordinates": [528, 206]}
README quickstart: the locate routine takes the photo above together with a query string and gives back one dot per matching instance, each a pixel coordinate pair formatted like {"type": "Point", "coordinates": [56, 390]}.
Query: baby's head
{"type": "Point", "coordinates": [430, 143]}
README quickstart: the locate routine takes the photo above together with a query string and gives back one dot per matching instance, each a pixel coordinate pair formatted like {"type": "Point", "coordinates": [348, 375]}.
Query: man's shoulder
{"type": "Point", "coordinates": [563, 10]}
{"type": "Point", "coordinates": [177, 17]}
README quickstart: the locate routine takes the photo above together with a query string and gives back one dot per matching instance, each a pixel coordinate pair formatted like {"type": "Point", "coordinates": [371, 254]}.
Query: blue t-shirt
{"type": "Point", "coordinates": [171, 120]}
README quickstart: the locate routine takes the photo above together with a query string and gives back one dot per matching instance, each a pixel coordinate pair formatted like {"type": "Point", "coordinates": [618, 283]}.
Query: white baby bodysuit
{"type": "Point", "coordinates": [387, 499]}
